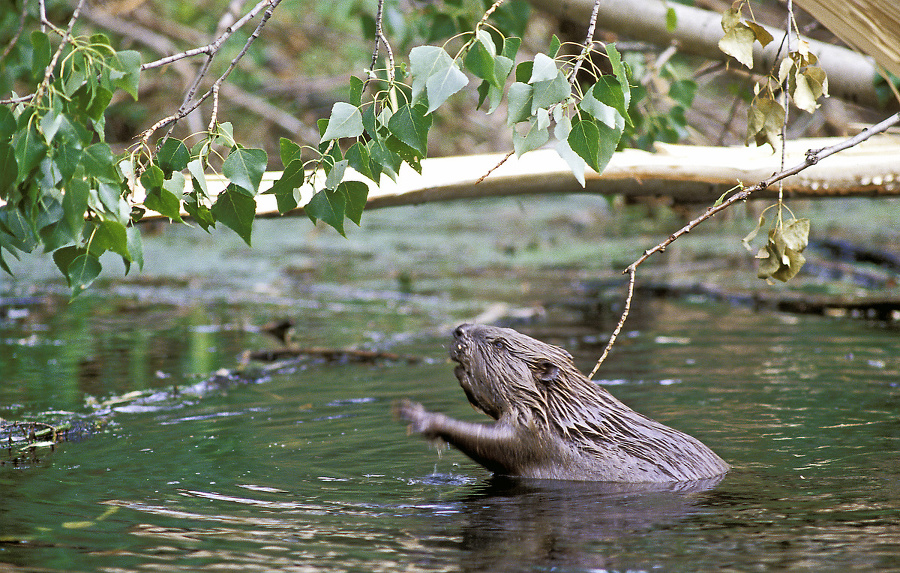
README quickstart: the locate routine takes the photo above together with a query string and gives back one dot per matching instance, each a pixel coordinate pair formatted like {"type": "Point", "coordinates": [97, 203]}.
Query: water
{"type": "Point", "coordinates": [304, 469]}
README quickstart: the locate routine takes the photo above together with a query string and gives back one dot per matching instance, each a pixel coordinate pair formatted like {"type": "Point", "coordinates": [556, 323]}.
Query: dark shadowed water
{"type": "Point", "coordinates": [304, 469]}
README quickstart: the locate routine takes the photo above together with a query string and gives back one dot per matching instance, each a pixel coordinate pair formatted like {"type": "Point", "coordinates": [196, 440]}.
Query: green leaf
{"type": "Point", "coordinates": [534, 137]}
{"type": "Point", "coordinates": [108, 235]}
{"type": "Point", "coordinates": [511, 47]}
{"type": "Point", "coordinates": [358, 158]}
{"type": "Point", "coordinates": [164, 202]}
{"type": "Point", "coordinates": [98, 103]}
{"type": "Point", "coordinates": [411, 127]}
{"type": "Point", "coordinates": [198, 177]}
{"type": "Point", "coordinates": [7, 124]}
{"type": "Point", "coordinates": [99, 162]}
{"type": "Point", "coordinates": [29, 147]}
{"type": "Point", "coordinates": [285, 187]}
{"type": "Point", "coordinates": [66, 159]}
{"type": "Point", "coordinates": [607, 90]}
{"type": "Point", "coordinates": [198, 211]}
{"type": "Point", "coordinates": [50, 124]}
{"type": "Point", "coordinates": [584, 139]}
{"type": "Point", "coordinates": [520, 99]}
{"type": "Point", "coordinates": [288, 150]}
{"type": "Point", "coordinates": [357, 194]}
{"type": "Point", "coordinates": [9, 170]}
{"type": "Point", "coordinates": [75, 203]}
{"type": "Point", "coordinates": [129, 63]}
{"type": "Point", "coordinates": [245, 168]}
{"type": "Point", "coordinates": [40, 55]}
{"type": "Point", "coordinates": [236, 210]}
{"type": "Point", "coordinates": [480, 58]}
{"type": "Point", "coordinates": [549, 92]}
{"type": "Point", "coordinates": [683, 91]}
{"type": "Point", "coordinates": [435, 74]}
{"type": "Point", "coordinates": [544, 69]}
{"type": "Point", "coordinates": [444, 84]}
{"type": "Point", "coordinates": [355, 92]}
{"type": "Point", "coordinates": [383, 159]}
{"type": "Point", "coordinates": [555, 45]}
{"type": "Point", "coordinates": [609, 141]}
{"type": "Point", "coordinates": [173, 156]}
{"type": "Point", "coordinates": [336, 174]}
{"type": "Point", "coordinates": [152, 178]}
{"type": "Point", "coordinates": [345, 121]}
{"type": "Point", "coordinates": [618, 68]}
{"type": "Point", "coordinates": [135, 246]}
{"type": "Point", "coordinates": [328, 206]}
{"type": "Point", "coordinates": [82, 271]}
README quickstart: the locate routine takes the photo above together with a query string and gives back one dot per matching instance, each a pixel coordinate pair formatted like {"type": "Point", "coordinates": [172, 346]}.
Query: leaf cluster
{"type": "Point", "coordinates": [781, 257]}
{"type": "Point", "coordinates": [62, 185]}
{"type": "Point", "coordinates": [797, 74]}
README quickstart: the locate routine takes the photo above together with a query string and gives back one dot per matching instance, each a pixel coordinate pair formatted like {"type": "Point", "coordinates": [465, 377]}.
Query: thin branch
{"type": "Point", "coordinates": [65, 39]}
{"type": "Point", "coordinates": [212, 48]}
{"type": "Point", "coordinates": [187, 108]}
{"type": "Point", "coordinates": [18, 33]}
{"type": "Point", "coordinates": [813, 156]}
{"type": "Point", "coordinates": [494, 168]}
{"type": "Point", "coordinates": [588, 43]}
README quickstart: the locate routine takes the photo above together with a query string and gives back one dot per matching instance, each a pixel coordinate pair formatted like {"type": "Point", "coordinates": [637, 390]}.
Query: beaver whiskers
{"type": "Point", "coordinates": [551, 421]}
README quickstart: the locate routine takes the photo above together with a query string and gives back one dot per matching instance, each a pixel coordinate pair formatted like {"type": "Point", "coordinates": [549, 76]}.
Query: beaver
{"type": "Point", "coordinates": [552, 422]}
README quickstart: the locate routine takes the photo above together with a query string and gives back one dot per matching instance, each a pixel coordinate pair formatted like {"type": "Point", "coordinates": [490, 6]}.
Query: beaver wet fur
{"type": "Point", "coordinates": [552, 422]}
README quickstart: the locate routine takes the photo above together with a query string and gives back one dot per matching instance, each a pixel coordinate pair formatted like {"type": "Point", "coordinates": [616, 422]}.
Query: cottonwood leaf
{"type": "Point", "coordinates": [738, 43]}
{"type": "Point", "coordinates": [549, 92]}
{"type": "Point", "coordinates": [480, 59]}
{"type": "Point", "coordinates": [82, 271]}
{"type": "Point", "coordinates": [345, 121]}
{"type": "Point", "coordinates": [357, 194]}
{"type": "Point", "coordinates": [584, 140]}
{"type": "Point", "coordinates": [762, 35]}
{"type": "Point", "coordinates": [543, 69]}
{"type": "Point", "coordinates": [608, 91]}
{"type": "Point", "coordinates": [328, 206]}
{"type": "Point", "coordinates": [802, 95]}
{"type": "Point", "coordinates": [572, 159]}
{"type": "Point", "coordinates": [533, 138]}
{"type": "Point", "coordinates": [410, 125]}
{"type": "Point", "coordinates": [285, 188]}
{"type": "Point", "coordinates": [244, 168]}
{"type": "Point", "coordinates": [519, 101]}
{"type": "Point", "coordinates": [236, 210]}
{"type": "Point", "coordinates": [173, 155]}
{"type": "Point", "coordinates": [444, 84]}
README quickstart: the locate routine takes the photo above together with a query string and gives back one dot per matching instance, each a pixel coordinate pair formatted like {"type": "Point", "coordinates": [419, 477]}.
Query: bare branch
{"type": "Point", "coordinates": [813, 156]}
{"type": "Point", "coordinates": [588, 42]}
{"type": "Point", "coordinates": [188, 106]}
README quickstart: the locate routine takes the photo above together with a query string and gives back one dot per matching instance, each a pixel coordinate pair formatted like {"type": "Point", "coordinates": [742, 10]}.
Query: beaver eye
{"type": "Point", "coordinates": [499, 344]}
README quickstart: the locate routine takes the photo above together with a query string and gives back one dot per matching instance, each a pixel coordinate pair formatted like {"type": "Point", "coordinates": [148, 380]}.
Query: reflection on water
{"type": "Point", "coordinates": [303, 469]}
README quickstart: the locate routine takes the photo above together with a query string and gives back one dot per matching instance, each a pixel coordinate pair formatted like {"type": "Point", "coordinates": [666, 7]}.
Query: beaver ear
{"type": "Point", "coordinates": [548, 372]}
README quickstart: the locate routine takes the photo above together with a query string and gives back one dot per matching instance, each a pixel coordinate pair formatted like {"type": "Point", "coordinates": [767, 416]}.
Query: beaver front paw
{"type": "Point", "coordinates": [418, 417]}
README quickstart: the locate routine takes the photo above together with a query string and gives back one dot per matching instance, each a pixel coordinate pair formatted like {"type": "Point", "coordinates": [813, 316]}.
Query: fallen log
{"type": "Point", "coordinates": [685, 173]}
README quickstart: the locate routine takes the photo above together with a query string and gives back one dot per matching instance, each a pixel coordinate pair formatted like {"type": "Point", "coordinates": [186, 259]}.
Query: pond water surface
{"type": "Point", "coordinates": [304, 469]}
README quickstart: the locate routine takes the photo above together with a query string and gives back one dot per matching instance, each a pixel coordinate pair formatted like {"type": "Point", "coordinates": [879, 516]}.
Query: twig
{"type": "Point", "coordinates": [18, 33]}
{"type": "Point", "coordinates": [380, 38]}
{"type": "Point", "coordinates": [65, 39]}
{"type": "Point", "coordinates": [494, 168]}
{"type": "Point", "coordinates": [187, 108]}
{"type": "Point", "coordinates": [588, 42]}
{"type": "Point", "coordinates": [813, 156]}
{"type": "Point", "coordinates": [487, 14]}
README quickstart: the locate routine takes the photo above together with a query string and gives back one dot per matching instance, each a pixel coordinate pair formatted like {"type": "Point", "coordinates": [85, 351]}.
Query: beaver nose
{"type": "Point", "coordinates": [461, 330]}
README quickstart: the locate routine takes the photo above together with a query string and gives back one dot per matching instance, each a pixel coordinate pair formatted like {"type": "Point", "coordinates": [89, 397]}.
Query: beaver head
{"type": "Point", "coordinates": [505, 372]}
